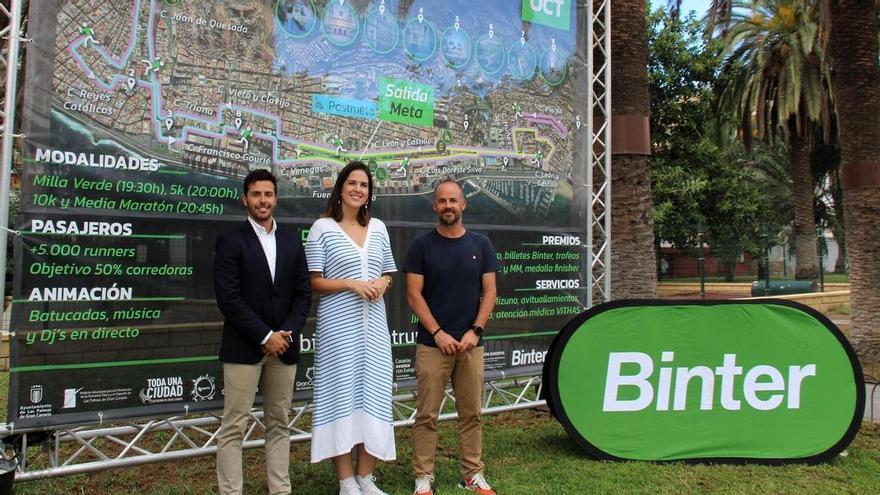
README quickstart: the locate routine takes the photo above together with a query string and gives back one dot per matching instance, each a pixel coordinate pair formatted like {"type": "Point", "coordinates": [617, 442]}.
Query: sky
{"type": "Point", "coordinates": [686, 6]}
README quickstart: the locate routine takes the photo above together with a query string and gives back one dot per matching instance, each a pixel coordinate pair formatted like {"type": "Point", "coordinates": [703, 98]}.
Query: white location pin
{"type": "Point", "coordinates": [238, 123]}
{"type": "Point", "coordinates": [577, 122]}
{"type": "Point", "coordinates": [421, 18]}
{"type": "Point", "coordinates": [131, 82]}
{"type": "Point", "coordinates": [505, 161]}
{"type": "Point", "coordinates": [382, 10]}
{"type": "Point", "coordinates": [466, 124]}
{"type": "Point", "coordinates": [169, 123]}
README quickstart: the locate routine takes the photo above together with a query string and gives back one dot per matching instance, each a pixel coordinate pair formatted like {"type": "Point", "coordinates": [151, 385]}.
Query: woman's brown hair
{"type": "Point", "coordinates": [334, 204]}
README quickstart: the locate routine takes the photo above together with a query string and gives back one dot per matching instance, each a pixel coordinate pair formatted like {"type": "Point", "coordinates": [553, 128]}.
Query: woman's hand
{"type": "Point", "coordinates": [381, 284]}
{"type": "Point", "coordinates": [365, 289]}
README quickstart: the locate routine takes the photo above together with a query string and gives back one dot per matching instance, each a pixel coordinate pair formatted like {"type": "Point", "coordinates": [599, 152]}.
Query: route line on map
{"type": "Point", "coordinates": [225, 130]}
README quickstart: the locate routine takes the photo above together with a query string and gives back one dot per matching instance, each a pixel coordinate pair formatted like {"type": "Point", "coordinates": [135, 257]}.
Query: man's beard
{"type": "Point", "coordinates": [261, 217]}
{"type": "Point", "coordinates": [454, 220]}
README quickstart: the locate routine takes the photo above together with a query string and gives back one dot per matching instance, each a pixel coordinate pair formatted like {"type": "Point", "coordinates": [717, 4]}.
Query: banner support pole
{"type": "Point", "coordinates": [6, 151]}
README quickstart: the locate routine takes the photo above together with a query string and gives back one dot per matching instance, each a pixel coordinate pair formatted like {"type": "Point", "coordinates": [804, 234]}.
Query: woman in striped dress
{"type": "Point", "coordinates": [349, 256]}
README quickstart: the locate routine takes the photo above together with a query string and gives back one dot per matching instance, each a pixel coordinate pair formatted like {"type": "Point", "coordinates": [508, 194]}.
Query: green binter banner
{"type": "Point", "coordinates": [732, 381]}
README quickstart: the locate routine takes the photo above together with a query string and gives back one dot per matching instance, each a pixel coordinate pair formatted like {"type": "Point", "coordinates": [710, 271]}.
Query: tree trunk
{"type": "Point", "coordinates": [633, 261]}
{"type": "Point", "coordinates": [804, 217]}
{"type": "Point", "coordinates": [838, 227]}
{"type": "Point", "coordinates": [633, 273]}
{"type": "Point", "coordinates": [840, 237]}
{"type": "Point", "coordinates": [853, 48]}
{"type": "Point", "coordinates": [863, 218]}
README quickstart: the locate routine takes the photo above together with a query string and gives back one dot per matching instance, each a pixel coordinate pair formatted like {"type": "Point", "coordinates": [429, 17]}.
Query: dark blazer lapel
{"type": "Point", "coordinates": [250, 238]}
{"type": "Point", "coordinates": [282, 251]}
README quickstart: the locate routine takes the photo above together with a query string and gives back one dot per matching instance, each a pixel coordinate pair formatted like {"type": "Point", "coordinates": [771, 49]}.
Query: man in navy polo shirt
{"type": "Point", "coordinates": [450, 286]}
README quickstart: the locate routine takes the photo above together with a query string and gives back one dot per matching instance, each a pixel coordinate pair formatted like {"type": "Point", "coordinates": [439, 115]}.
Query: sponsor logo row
{"type": "Point", "coordinates": [156, 390]}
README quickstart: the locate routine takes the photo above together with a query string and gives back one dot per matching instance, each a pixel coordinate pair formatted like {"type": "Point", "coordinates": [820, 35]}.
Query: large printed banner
{"type": "Point", "coordinates": [142, 117]}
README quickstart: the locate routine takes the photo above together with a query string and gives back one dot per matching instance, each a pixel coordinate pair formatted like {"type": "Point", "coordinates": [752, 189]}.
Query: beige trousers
{"type": "Point", "coordinates": [433, 371]}
{"type": "Point", "coordinates": [275, 380]}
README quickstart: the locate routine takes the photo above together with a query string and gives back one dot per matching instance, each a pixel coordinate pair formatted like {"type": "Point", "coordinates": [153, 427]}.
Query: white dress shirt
{"type": "Point", "coordinates": [267, 241]}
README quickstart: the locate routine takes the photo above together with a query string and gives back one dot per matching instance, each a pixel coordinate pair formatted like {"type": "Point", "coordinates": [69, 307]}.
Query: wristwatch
{"type": "Point", "coordinates": [478, 330]}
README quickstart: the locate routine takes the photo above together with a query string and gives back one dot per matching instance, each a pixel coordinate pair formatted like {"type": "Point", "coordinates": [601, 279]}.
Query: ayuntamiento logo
{"type": "Point", "coordinates": [751, 381]}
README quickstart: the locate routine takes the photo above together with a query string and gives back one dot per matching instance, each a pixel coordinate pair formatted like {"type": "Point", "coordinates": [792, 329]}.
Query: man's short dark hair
{"type": "Point", "coordinates": [257, 175]}
{"type": "Point", "coordinates": [448, 181]}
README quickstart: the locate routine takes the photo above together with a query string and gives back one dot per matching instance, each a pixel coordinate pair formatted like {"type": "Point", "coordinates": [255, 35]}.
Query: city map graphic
{"type": "Point", "coordinates": [297, 85]}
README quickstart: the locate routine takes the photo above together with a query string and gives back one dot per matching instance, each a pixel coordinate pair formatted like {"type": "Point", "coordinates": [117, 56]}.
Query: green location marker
{"type": "Point", "coordinates": [381, 174]}
{"type": "Point", "coordinates": [372, 165]}
{"type": "Point", "coordinates": [407, 102]}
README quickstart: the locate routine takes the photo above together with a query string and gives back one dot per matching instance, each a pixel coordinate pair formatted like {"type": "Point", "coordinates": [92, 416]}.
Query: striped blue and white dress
{"type": "Point", "coordinates": [353, 366]}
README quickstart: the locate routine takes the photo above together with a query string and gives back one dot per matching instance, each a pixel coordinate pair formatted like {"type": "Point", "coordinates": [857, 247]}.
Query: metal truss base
{"type": "Point", "coordinates": [62, 452]}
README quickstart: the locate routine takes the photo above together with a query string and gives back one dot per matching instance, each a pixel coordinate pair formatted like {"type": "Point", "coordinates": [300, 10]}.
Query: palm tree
{"type": "Point", "coordinates": [781, 90]}
{"type": "Point", "coordinates": [851, 28]}
{"type": "Point", "coordinates": [632, 220]}
{"type": "Point", "coordinates": [852, 54]}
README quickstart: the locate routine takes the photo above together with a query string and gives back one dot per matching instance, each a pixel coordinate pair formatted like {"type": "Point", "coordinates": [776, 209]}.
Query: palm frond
{"type": "Point", "coordinates": [783, 91]}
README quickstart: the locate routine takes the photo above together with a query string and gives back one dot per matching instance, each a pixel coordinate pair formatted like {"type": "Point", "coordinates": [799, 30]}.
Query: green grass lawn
{"type": "Point", "coordinates": [526, 452]}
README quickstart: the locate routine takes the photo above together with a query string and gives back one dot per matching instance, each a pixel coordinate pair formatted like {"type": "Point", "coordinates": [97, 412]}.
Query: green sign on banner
{"type": "Point", "coordinates": [553, 13]}
{"type": "Point", "coordinates": [407, 102]}
{"type": "Point", "coordinates": [753, 381]}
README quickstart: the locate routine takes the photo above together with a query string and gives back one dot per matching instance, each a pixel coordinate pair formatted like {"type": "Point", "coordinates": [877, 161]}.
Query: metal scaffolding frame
{"type": "Point", "coordinates": [598, 184]}
{"type": "Point", "coordinates": [9, 65]}
{"type": "Point", "coordinates": [12, 39]}
{"type": "Point", "coordinates": [164, 439]}
{"type": "Point", "coordinates": [75, 450]}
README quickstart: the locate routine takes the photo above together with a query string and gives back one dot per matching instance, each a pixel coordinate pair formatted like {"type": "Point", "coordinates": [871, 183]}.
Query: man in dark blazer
{"type": "Point", "coordinates": [261, 281]}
